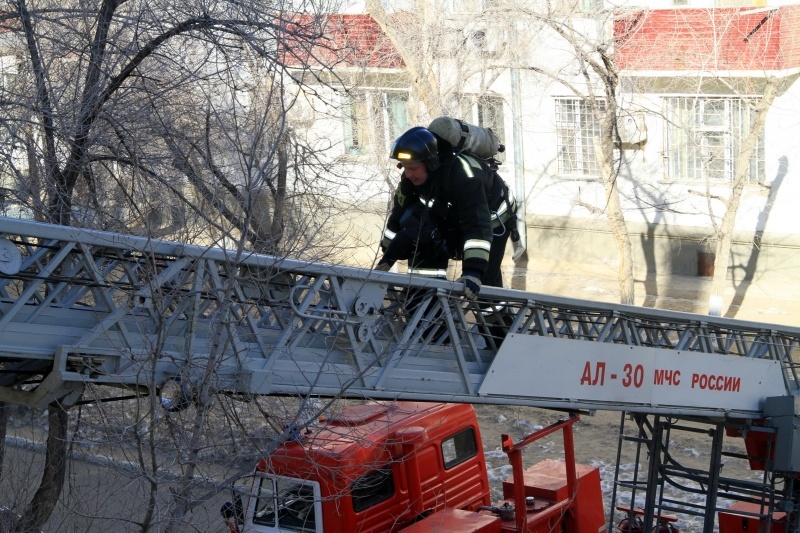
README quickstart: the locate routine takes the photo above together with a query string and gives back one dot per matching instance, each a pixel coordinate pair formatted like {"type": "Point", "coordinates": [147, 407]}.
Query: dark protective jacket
{"type": "Point", "coordinates": [464, 199]}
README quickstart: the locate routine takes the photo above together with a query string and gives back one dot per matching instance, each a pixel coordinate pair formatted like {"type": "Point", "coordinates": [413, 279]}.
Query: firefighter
{"type": "Point", "coordinates": [458, 198]}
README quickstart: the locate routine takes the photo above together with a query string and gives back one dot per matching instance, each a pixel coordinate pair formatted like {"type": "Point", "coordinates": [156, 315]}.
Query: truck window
{"type": "Point", "coordinates": [459, 448]}
{"type": "Point", "coordinates": [287, 504]}
{"type": "Point", "coordinates": [372, 488]}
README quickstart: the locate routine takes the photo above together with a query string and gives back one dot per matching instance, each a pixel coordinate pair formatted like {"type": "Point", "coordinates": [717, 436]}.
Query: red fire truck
{"type": "Point", "coordinates": [413, 467]}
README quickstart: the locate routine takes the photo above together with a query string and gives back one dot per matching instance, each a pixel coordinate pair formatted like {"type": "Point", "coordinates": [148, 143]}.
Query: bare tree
{"type": "Point", "coordinates": [123, 115]}
{"type": "Point", "coordinates": [591, 74]}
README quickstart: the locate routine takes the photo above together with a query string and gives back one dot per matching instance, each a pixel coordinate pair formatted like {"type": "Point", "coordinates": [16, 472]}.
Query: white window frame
{"type": "Point", "coordinates": [490, 113]}
{"type": "Point", "coordinates": [385, 107]}
{"type": "Point", "coordinates": [259, 528]}
{"type": "Point", "coordinates": [590, 6]}
{"type": "Point", "coordinates": [703, 136]}
{"type": "Point", "coordinates": [576, 127]}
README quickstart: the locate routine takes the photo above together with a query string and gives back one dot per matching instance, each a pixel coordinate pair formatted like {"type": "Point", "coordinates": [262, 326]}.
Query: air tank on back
{"type": "Point", "coordinates": [481, 142]}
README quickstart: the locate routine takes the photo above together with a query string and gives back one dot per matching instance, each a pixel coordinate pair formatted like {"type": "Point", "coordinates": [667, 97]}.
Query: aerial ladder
{"type": "Point", "coordinates": [81, 307]}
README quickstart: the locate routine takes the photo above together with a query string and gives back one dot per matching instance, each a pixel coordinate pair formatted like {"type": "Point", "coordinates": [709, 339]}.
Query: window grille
{"type": "Point", "coordinates": [704, 137]}
{"type": "Point", "coordinates": [576, 128]}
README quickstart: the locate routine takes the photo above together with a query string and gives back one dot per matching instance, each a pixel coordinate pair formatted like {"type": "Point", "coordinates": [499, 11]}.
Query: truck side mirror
{"type": "Point", "coordinates": [233, 511]}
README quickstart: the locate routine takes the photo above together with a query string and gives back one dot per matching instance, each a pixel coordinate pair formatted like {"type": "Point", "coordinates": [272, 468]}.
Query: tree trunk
{"type": "Point", "coordinates": [616, 219]}
{"type": "Point", "coordinates": [726, 227]}
{"type": "Point", "coordinates": [3, 430]}
{"type": "Point", "coordinates": [623, 241]}
{"type": "Point", "coordinates": [55, 469]}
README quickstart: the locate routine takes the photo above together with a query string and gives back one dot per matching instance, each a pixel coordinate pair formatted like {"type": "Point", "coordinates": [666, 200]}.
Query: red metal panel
{"type": "Point", "coordinates": [790, 35]}
{"type": "Point", "coordinates": [456, 521]}
{"type": "Point", "coordinates": [738, 519]}
{"type": "Point", "coordinates": [546, 479]}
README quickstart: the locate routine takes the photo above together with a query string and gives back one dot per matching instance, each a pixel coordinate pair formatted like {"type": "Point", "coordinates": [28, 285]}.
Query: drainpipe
{"type": "Point", "coordinates": [519, 164]}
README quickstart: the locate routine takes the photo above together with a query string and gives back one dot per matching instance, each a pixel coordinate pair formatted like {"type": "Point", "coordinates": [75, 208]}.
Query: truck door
{"type": "Point", "coordinates": [284, 504]}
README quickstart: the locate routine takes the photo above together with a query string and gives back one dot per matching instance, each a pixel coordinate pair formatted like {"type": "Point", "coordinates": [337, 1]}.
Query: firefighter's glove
{"type": "Point", "coordinates": [472, 284]}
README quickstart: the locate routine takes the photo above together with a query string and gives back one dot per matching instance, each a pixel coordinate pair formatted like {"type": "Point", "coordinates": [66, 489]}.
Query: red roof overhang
{"type": "Point", "coordinates": [708, 40]}
{"type": "Point", "coordinates": [339, 40]}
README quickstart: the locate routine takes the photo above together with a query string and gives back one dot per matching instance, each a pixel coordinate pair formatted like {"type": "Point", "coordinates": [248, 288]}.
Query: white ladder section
{"type": "Point", "coordinates": [80, 306]}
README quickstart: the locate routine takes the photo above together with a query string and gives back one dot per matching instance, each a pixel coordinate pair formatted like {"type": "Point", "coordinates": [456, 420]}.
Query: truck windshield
{"type": "Point", "coordinates": [286, 505]}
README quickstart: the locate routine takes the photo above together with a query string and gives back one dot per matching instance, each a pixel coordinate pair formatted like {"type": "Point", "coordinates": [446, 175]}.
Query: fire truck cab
{"type": "Point", "coordinates": [407, 467]}
{"type": "Point", "coordinates": [374, 467]}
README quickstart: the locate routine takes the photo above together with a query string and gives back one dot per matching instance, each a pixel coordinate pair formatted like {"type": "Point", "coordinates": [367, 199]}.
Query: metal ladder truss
{"type": "Point", "coordinates": [80, 306]}
{"type": "Point", "coordinates": [663, 484]}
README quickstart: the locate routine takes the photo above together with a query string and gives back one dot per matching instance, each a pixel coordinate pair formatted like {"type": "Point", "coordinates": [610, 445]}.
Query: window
{"type": "Point", "coordinates": [590, 6]}
{"type": "Point", "coordinates": [372, 488]}
{"type": "Point", "coordinates": [288, 504]}
{"type": "Point", "coordinates": [576, 128]}
{"type": "Point", "coordinates": [490, 115]}
{"type": "Point", "coordinates": [486, 113]}
{"type": "Point", "coordinates": [395, 114]}
{"type": "Point", "coordinates": [8, 70]}
{"type": "Point", "coordinates": [459, 448]}
{"type": "Point", "coordinates": [374, 120]}
{"type": "Point", "coordinates": [704, 137]}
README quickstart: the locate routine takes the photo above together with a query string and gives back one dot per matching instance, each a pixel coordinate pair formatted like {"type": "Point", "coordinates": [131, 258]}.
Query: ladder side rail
{"type": "Point", "coordinates": [586, 332]}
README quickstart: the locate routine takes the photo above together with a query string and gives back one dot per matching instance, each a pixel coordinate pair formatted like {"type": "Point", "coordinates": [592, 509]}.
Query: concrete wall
{"type": "Point", "coordinates": [658, 250]}
{"type": "Point", "coordinates": [663, 250]}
